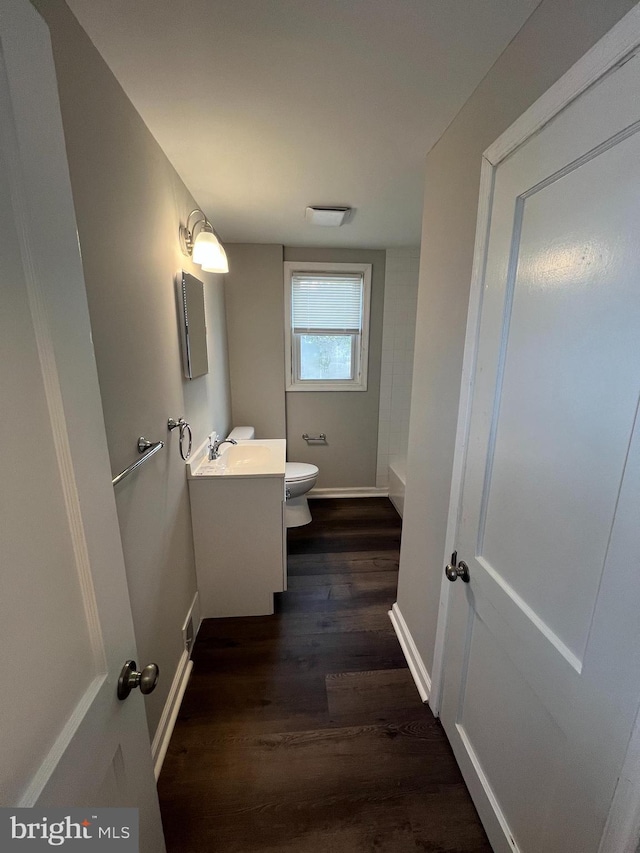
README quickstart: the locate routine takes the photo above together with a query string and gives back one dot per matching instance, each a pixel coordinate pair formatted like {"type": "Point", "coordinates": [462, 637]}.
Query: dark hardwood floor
{"type": "Point", "coordinates": [303, 731]}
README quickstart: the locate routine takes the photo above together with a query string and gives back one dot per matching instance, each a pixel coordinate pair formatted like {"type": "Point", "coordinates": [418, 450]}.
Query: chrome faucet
{"type": "Point", "coordinates": [214, 449]}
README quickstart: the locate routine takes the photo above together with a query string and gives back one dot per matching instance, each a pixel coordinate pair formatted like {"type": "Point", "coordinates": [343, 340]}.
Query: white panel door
{"type": "Point", "coordinates": [542, 652]}
{"type": "Point", "coordinates": [65, 620]}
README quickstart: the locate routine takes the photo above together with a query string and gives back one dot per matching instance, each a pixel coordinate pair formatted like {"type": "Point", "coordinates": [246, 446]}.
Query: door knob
{"type": "Point", "coordinates": [130, 678]}
{"type": "Point", "coordinates": [457, 569]}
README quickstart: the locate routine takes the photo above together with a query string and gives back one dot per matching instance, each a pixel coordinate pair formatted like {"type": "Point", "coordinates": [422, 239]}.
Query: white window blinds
{"type": "Point", "coordinates": [326, 303]}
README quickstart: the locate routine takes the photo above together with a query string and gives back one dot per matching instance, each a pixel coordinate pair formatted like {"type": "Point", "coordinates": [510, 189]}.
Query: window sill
{"type": "Point", "coordinates": [326, 386]}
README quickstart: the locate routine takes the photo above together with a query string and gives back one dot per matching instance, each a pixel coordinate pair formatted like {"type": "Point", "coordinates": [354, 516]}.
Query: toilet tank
{"type": "Point", "coordinates": [242, 433]}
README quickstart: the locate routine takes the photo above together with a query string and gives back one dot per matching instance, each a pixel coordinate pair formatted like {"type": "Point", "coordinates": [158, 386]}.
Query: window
{"type": "Point", "coordinates": [327, 326]}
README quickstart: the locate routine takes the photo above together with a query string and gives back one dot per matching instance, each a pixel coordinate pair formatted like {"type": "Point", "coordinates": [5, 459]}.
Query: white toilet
{"type": "Point", "coordinates": [299, 478]}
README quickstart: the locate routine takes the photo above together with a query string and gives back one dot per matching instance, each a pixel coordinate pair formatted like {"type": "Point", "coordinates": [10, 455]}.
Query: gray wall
{"type": "Point", "coordinates": [254, 294]}
{"type": "Point", "coordinates": [349, 418]}
{"type": "Point", "coordinates": [254, 291]}
{"type": "Point", "coordinates": [554, 37]}
{"type": "Point", "coordinates": [129, 202]}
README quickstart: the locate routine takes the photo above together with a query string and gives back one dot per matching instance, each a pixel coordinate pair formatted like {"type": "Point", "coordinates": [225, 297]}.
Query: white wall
{"type": "Point", "coordinates": [129, 204]}
{"type": "Point", "coordinates": [398, 335]}
{"type": "Point", "coordinates": [557, 34]}
{"type": "Point", "coordinates": [254, 296]}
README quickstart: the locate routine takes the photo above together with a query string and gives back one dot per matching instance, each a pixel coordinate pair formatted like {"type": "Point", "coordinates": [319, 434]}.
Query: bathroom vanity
{"type": "Point", "coordinates": [237, 514]}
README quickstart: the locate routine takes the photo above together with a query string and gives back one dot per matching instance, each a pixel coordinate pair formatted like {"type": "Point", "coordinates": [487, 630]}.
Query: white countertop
{"type": "Point", "coordinates": [255, 458]}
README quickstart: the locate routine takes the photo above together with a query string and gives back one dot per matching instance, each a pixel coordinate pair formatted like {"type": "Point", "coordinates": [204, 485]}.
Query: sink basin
{"type": "Point", "coordinates": [246, 459]}
{"type": "Point", "coordinates": [241, 457]}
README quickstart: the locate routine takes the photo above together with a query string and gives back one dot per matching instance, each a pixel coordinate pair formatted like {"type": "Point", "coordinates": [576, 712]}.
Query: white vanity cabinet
{"type": "Point", "coordinates": [237, 514]}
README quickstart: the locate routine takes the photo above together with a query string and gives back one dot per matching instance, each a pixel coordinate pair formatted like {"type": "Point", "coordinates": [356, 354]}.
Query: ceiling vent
{"type": "Point", "coordinates": [331, 216]}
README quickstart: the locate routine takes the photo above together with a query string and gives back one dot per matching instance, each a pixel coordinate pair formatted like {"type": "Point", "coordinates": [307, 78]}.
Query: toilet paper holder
{"type": "Point", "coordinates": [321, 437]}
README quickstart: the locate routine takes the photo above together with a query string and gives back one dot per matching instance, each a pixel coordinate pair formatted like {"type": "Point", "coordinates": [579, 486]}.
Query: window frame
{"type": "Point", "coordinates": [361, 349]}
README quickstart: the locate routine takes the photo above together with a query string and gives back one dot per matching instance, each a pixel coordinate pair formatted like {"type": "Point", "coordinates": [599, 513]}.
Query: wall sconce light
{"type": "Point", "coordinates": [199, 241]}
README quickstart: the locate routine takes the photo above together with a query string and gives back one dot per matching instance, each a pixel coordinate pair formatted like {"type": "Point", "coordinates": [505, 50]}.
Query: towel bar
{"type": "Point", "coordinates": [144, 446]}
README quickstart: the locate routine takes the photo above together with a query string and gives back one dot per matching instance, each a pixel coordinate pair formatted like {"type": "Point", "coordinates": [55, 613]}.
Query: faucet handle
{"type": "Point", "coordinates": [212, 445]}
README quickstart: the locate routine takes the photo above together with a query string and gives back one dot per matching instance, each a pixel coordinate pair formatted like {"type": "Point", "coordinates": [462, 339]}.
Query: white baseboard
{"type": "Point", "coordinates": [398, 504]}
{"type": "Point", "coordinates": [397, 488]}
{"type": "Point", "coordinates": [411, 653]}
{"type": "Point", "coordinates": [174, 699]}
{"type": "Point", "coordinates": [353, 492]}
{"type": "Point", "coordinates": [491, 815]}
{"type": "Point", "coordinates": [170, 713]}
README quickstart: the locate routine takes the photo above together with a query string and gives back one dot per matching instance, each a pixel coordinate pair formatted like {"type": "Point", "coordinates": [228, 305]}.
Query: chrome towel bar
{"type": "Point", "coordinates": [148, 448]}
{"type": "Point", "coordinates": [321, 437]}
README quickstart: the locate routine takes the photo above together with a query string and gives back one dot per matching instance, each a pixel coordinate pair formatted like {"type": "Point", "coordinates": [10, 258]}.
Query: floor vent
{"type": "Point", "coordinates": [189, 634]}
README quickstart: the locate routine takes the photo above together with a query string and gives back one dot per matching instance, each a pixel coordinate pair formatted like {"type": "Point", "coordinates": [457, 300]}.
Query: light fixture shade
{"type": "Point", "coordinates": [204, 247]}
{"type": "Point", "coordinates": [211, 257]}
{"type": "Point", "coordinates": [218, 261]}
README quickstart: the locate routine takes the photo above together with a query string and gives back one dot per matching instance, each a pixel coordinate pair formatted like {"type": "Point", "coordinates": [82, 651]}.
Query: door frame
{"type": "Point", "coordinates": [623, 827]}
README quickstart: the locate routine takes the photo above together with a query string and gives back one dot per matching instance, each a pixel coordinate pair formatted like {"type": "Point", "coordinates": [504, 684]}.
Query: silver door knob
{"type": "Point", "coordinates": [457, 569]}
{"type": "Point", "coordinates": [130, 678]}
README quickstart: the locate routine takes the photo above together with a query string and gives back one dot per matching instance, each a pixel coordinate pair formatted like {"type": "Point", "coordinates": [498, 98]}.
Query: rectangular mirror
{"type": "Point", "coordinates": [193, 327]}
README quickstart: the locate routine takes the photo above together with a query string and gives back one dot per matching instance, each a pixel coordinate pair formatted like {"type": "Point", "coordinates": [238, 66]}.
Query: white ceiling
{"type": "Point", "coordinates": [267, 106]}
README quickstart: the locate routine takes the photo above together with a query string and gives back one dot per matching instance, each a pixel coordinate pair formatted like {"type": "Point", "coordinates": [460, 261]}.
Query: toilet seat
{"type": "Point", "coordinates": [294, 472]}
{"type": "Point", "coordinates": [299, 479]}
